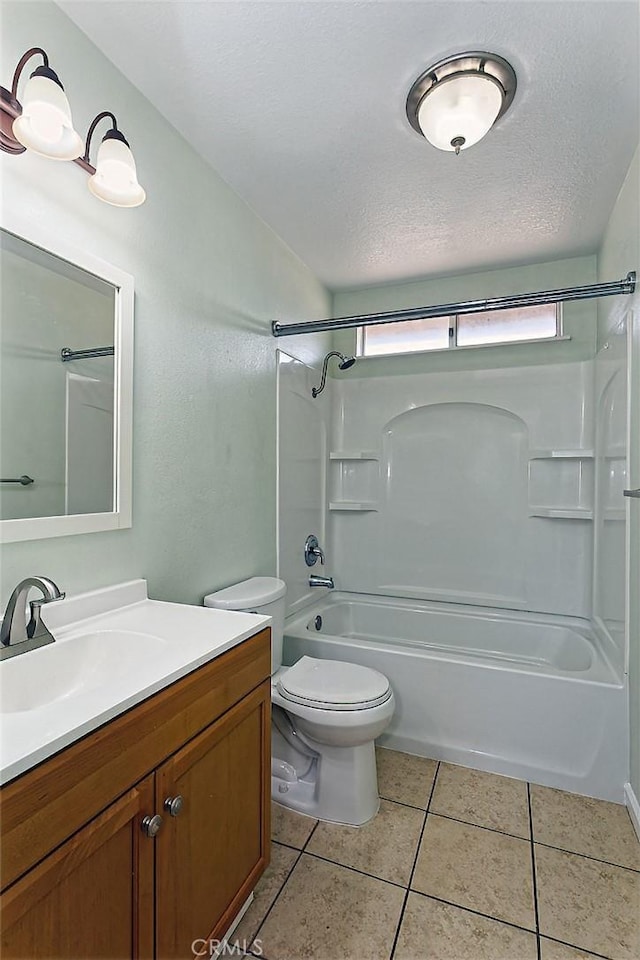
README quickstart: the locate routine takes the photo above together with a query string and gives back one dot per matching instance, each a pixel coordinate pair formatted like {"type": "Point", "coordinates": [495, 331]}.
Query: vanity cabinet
{"type": "Point", "coordinates": [84, 872]}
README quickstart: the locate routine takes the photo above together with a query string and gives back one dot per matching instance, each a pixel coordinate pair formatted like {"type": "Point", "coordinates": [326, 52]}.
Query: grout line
{"type": "Point", "coordinates": [289, 846]}
{"type": "Point", "coordinates": [413, 868]}
{"type": "Point", "coordinates": [585, 856]}
{"type": "Point", "coordinates": [362, 873]}
{"type": "Point", "coordinates": [284, 882]}
{"type": "Point", "coordinates": [576, 947]}
{"type": "Point", "coordinates": [282, 886]}
{"type": "Point", "coordinates": [533, 871]}
{"type": "Point", "coordinates": [401, 803]}
{"type": "Point", "coordinates": [480, 826]}
{"type": "Point", "coordinates": [306, 843]}
{"type": "Point", "coordinates": [515, 836]}
{"type": "Point", "coordinates": [476, 913]}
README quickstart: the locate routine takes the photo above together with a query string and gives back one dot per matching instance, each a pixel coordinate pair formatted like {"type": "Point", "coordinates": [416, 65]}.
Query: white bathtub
{"type": "Point", "coordinates": [525, 695]}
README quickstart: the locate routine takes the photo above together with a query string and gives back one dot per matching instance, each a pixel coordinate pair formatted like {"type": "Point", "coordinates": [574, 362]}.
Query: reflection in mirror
{"type": "Point", "coordinates": [56, 409]}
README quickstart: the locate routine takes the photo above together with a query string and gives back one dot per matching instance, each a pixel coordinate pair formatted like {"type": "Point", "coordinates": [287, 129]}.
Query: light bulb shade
{"type": "Point", "coordinates": [115, 180]}
{"type": "Point", "coordinates": [45, 125]}
{"type": "Point", "coordinates": [460, 110]}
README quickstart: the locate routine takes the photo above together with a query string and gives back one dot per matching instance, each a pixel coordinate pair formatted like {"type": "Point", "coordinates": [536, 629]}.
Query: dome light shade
{"type": "Point", "coordinates": [460, 111]}
{"type": "Point", "coordinates": [45, 125]}
{"type": "Point", "coordinates": [457, 101]}
{"type": "Point", "coordinates": [115, 180]}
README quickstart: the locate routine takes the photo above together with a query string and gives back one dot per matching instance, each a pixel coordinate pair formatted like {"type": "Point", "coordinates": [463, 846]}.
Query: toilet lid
{"type": "Point", "coordinates": [333, 685]}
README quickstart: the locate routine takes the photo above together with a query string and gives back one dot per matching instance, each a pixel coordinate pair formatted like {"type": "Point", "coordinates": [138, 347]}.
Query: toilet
{"type": "Point", "coordinates": [326, 717]}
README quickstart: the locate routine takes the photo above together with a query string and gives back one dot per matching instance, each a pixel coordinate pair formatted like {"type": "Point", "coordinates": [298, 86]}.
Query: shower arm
{"type": "Point", "coordinates": [315, 391]}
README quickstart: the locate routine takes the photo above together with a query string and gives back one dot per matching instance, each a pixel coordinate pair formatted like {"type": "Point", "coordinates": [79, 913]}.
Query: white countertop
{"type": "Point", "coordinates": [137, 647]}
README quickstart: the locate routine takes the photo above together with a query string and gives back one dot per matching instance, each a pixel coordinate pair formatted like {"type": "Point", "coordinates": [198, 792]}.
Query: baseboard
{"type": "Point", "coordinates": [633, 806]}
{"type": "Point", "coordinates": [218, 948]}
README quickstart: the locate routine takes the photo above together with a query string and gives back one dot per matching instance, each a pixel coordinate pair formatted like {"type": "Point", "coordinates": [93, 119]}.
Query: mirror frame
{"type": "Point", "coordinates": [38, 528]}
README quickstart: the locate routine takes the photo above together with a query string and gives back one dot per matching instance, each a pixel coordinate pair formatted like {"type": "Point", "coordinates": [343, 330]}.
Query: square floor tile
{"type": "Point", "coordinates": [385, 847]}
{"type": "Point", "coordinates": [582, 825]}
{"type": "Point", "coordinates": [290, 827]}
{"type": "Point", "coordinates": [476, 868]}
{"type": "Point", "coordinates": [587, 903]}
{"type": "Point", "coordinates": [328, 911]}
{"type": "Point", "coordinates": [437, 931]}
{"type": "Point", "coordinates": [483, 799]}
{"type": "Point", "coordinates": [267, 889]}
{"type": "Point", "coordinates": [405, 778]}
{"type": "Point", "coordinates": [552, 950]}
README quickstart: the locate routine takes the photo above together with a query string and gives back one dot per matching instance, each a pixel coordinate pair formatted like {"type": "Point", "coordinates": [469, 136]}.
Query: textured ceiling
{"type": "Point", "coordinates": [300, 107]}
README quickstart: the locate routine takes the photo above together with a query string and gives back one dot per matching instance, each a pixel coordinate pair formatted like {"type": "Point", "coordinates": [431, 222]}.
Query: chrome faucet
{"type": "Point", "coordinates": [18, 636]}
{"type": "Point", "coordinates": [321, 581]}
{"type": "Point", "coordinates": [313, 551]}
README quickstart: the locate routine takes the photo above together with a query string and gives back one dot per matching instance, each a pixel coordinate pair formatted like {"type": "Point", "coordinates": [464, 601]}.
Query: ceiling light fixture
{"type": "Point", "coordinates": [457, 101]}
{"type": "Point", "coordinates": [42, 124]}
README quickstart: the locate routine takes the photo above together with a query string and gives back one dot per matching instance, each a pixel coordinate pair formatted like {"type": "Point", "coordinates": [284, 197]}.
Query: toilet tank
{"type": "Point", "coordinates": [263, 595]}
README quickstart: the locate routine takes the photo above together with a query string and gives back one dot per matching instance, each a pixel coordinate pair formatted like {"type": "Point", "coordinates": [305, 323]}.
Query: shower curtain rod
{"type": "Point", "coordinates": [588, 292]}
{"type": "Point", "coordinates": [67, 353]}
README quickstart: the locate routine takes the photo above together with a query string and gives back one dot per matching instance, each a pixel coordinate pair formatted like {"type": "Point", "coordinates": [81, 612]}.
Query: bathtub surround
{"type": "Point", "coordinates": [209, 277]}
{"type": "Point", "coordinates": [303, 430]}
{"type": "Point", "coordinates": [619, 345]}
{"type": "Point", "coordinates": [478, 486]}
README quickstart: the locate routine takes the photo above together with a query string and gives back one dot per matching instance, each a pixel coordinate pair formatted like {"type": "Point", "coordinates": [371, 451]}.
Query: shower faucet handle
{"type": "Point", "coordinates": [313, 551]}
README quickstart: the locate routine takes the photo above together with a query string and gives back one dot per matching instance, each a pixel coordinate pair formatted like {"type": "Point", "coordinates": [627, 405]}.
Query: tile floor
{"type": "Point", "coordinates": [458, 864]}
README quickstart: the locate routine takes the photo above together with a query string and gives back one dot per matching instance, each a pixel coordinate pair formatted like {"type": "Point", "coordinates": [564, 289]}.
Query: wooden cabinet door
{"type": "Point", "coordinates": [93, 896]}
{"type": "Point", "coordinates": [210, 856]}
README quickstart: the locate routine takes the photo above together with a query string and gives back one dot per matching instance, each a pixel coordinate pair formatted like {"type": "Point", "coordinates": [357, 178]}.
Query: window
{"type": "Point", "coordinates": [465, 330]}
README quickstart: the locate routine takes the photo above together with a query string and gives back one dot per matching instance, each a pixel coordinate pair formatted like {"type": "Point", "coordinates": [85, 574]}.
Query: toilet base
{"type": "Point", "coordinates": [341, 786]}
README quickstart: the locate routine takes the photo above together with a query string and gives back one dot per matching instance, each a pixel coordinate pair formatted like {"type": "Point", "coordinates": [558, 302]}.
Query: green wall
{"type": "Point", "coordinates": [619, 253]}
{"type": "Point", "coordinates": [209, 277]}
{"type": "Point", "coordinates": [579, 317]}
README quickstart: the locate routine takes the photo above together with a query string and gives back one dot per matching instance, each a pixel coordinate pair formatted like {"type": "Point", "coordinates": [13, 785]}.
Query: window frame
{"type": "Point", "coordinates": [453, 346]}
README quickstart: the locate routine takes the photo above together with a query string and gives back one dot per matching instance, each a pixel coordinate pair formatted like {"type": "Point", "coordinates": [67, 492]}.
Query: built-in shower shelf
{"type": "Point", "coordinates": [353, 455]}
{"type": "Point", "coordinates": [357, 506]}
{"type": "Point", "coordinates": [561, 513]}
{"type": "Point", "coordinates": [561, 454]}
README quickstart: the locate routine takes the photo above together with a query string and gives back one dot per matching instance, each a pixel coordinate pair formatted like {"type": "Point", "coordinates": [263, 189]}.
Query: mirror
{"type": "Point", "coordinates": [65, 391]}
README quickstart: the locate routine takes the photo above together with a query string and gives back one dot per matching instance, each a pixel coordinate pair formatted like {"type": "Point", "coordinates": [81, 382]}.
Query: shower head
{"type": "Point", "coordinates": [343, 364]}
{"type": "Point", "coordinates": [346, 362]}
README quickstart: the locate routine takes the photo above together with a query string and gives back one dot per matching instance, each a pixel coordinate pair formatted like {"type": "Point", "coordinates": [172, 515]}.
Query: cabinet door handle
{"type": "Point", "coordinates": [151, 825]}
{"type": "Point", "coordinates": [632, 493]}
{"type": "Point", "coordinates": [174, 805]}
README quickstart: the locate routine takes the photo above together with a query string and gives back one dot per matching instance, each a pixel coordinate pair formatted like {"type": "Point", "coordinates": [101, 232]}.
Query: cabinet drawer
{"type": "Point", "coordinates": [43, 807]}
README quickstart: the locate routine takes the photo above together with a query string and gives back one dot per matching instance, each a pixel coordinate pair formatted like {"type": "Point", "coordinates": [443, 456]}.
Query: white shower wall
{"type": "Point", "coordinates": [471, 487]}
{"type": "Point", "coordinates": [302, 455]}
{"type": "Point", "coordinates": [610, 574]}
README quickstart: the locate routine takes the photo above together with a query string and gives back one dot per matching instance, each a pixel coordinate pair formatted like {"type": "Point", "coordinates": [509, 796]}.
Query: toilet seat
{"type": "Point", "coordinates": [333, 685]}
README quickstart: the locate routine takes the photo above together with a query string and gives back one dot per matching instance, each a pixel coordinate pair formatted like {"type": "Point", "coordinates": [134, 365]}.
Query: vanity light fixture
{"type": "Point", "coordinates": [457, 100]}
{"type": "Point", "coordinates": [114, 178]}
{"type": "Point", "coordinates": [42, 123]}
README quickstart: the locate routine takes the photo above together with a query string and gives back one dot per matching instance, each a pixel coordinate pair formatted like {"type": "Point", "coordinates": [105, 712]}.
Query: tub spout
{"type": "Point", "coordinates": [321, 582]}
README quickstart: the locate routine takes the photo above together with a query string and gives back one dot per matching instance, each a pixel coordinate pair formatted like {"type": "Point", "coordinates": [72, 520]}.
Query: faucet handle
{"type": "Point", "coordinates": [313, 551]}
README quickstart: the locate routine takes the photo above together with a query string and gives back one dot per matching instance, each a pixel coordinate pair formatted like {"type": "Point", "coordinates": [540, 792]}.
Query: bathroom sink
{"type": "Point", "coordinates": [112, 649]}
{"type": "Point", "coordinates": [76, 666]}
